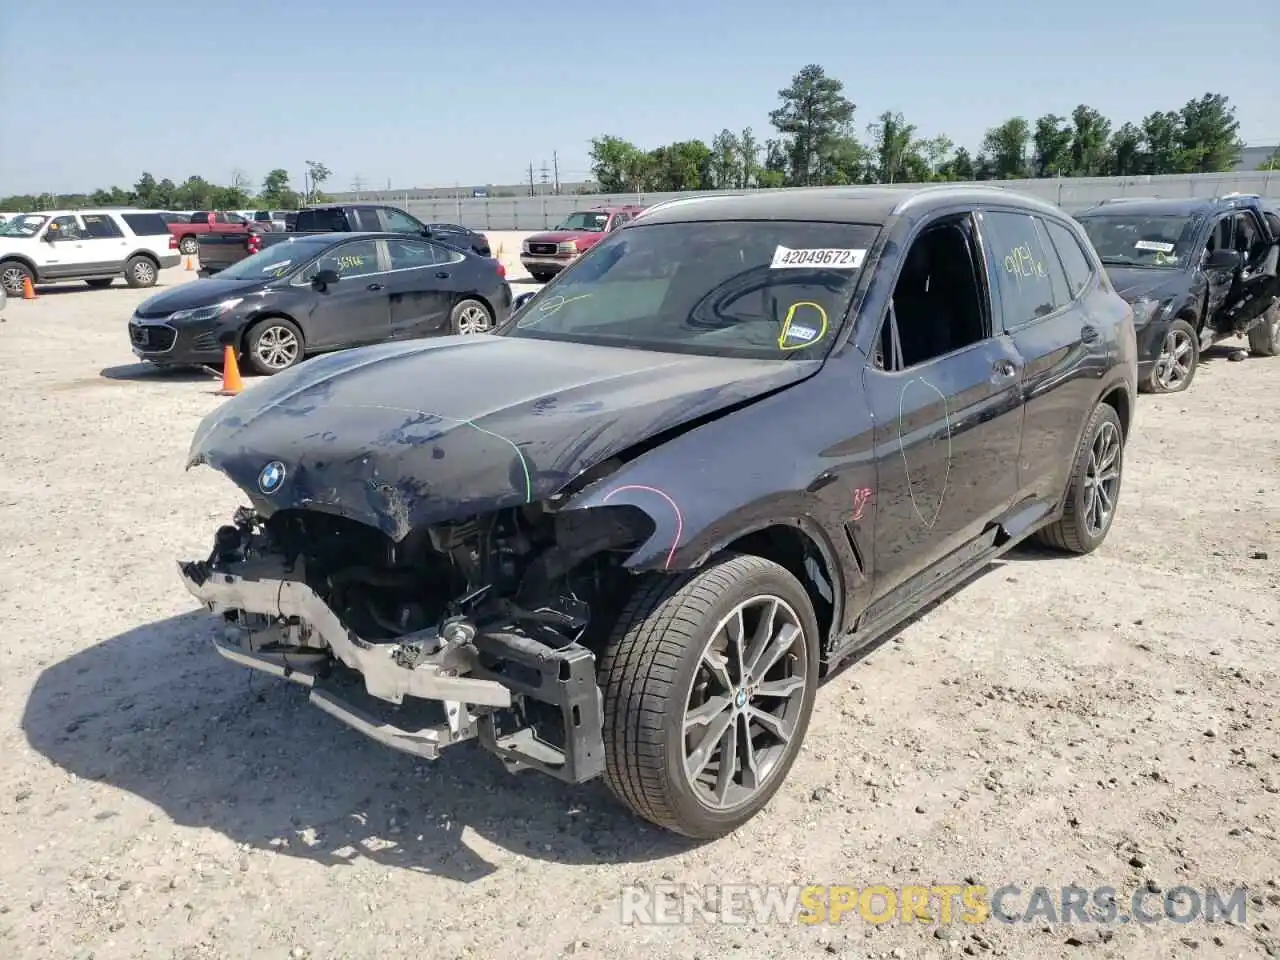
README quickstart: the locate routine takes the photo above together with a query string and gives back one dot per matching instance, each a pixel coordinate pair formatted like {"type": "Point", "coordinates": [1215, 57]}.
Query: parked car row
{"type": "Point", "coordinates": [1197, 271]}
{"type": "Point", "coordinates": [740, 440]}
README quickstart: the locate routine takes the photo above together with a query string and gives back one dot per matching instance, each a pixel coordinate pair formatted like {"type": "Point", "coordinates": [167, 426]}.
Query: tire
{"type": "Point", "coordinates": [1264, 339]}
{"type": "Point", "coordinates": [470, 316]}
{"type": "Point", "coordinates": [188, 246]}
{"type": "Point", "coordinates": [12, 275]}
{"type": "Point", "coordinates": [1077, 531]}
{"type": "Point", "coordinates": [268, 338]}
{"type": "Point", "coordinates": [541, 277]}
{"type": "Point", "coordinates": [1178, 362]}
{"type": "Point", "coordinates": [655, 662]}
{"type": "Point", "coordinates": [141, 271]}
{"type": "Point", "coordinates": [99, 283]}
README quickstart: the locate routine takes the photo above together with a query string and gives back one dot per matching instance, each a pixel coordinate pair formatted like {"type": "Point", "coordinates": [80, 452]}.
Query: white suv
{"type": "Point", "coordinates": [95, 246]}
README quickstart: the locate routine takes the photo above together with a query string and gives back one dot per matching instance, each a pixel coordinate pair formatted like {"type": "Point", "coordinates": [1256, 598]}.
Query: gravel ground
{"type": "Point", "coordinates": [1110, 720]}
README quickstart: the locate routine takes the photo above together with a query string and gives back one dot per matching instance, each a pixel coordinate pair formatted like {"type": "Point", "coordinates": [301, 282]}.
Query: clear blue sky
{"type": "Point", "coordinates": [423, 93]}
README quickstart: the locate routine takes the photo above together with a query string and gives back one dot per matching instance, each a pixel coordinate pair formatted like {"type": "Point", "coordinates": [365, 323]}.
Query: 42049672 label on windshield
{"type": "Point", "coordinates": [828, 258]}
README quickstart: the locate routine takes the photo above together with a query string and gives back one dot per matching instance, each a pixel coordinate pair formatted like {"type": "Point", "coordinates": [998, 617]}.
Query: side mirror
{"type": "Point", "coordinates": [1223, 260]}
{"type": "Point", "coordinates": [323, 278]}
{"type": "Point", "coordinates": [521, 300]}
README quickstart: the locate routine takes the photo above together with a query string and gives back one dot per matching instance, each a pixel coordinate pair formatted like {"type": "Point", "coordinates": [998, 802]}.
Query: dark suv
{"type": "Point", "coordinates": [1196, 271]}
{"type": "Point", "coordinates": [740, 439]}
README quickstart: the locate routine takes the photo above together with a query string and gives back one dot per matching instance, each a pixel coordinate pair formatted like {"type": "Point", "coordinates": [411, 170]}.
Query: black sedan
{"type": "Point", "coordinates": [321, 292]}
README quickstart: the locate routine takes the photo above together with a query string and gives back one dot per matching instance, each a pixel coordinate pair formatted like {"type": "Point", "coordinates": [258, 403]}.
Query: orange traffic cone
{"type": "Point", "coordinates": [190, 263]}
{"type": "Point", "coordinates": [231, 382]}
{"type": "Point", "coordinates": [28, 291]}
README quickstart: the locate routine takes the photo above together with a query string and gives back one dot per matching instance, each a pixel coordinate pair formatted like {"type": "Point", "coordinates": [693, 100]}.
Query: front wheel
{"type": "Point", "coordinates": [273, 345]}
{"type": "Point", "coordinates": [709, 680]}
{"type": "Point", "coordinates": [13, 275]}
{"type": "Point", "coordinates": [1094, 488]}
{"type": "Point", "coordinates": [1179, 359]}
{"type": "Point", "coordinates": [1264, 338]}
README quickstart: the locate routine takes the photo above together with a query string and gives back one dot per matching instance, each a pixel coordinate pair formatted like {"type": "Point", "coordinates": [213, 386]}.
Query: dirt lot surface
{"type": "Point", "coordinates": [1105, 721]}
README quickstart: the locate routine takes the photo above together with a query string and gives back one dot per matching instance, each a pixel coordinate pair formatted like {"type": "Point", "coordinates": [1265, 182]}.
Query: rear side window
{"type": "Point", "coordinates": [99, 226]}
{"type": "Point", "coordinates": [145, 224]}
{"type": "Point", "coordinates": [1021, 266]}
{"type": "Point", "coordinates": [1074, 261]}
{"type": "Point", "coordinates": [365, 218]}
{"type": "Point", "coordinates": [330, 220]}
{"type": "Point", "coordinates": [394, 221]}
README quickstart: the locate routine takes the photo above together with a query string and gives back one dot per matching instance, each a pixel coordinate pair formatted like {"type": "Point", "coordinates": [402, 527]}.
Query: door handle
{"type": "Point", "coordinates": [442, 274]}
{"type": "Point", "coordinates": [1004, 369]}
{"type": "Point", "coordinates": [1088, 334]}
{"type": "Point", "coordinates": [374, 286]}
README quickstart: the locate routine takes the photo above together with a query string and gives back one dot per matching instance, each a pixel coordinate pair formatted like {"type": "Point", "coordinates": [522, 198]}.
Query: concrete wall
{"type": "Point", "coordinates": [1072, 194]}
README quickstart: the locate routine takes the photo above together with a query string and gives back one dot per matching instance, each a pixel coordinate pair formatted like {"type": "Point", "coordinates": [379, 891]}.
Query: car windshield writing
{"type": "Point", "coordinates": [25, 226]}
{"type": "Point", "coordinates": [587, 222]}
{"type": "Point", "coordinates": [272, 262]}
{"type": "Point", "coordinates": [763, 289]}
{"type": "Point", "coordinates": [1140, 241]}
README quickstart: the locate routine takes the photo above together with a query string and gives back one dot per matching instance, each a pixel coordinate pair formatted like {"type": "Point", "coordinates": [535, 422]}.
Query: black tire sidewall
{"type": "Point", "coordinates": [771, 579]}
{"type": "Point", "coordinates": [1103, 414]}
{"type": "Point", "coordinates": [251, 345]}
{"type": "Point", "coordinates": [1152, 384]}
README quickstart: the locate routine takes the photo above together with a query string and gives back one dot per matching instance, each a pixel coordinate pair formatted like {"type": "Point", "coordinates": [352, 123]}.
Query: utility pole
{"type": "Point", "coordinates": [532, 191]}
{"type": "Point", "coordinates": [546, 176]}
{"type": "Point", "coordinates": [357, 185]}
{"type": "Point", "coordinates": [555, 163]}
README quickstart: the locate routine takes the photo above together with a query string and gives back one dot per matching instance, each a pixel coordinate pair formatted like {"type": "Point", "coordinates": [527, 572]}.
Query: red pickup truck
{"type": "Point", "coordinates": [546, 254]}
{"type": "Point", "coordinates": [208, 221]}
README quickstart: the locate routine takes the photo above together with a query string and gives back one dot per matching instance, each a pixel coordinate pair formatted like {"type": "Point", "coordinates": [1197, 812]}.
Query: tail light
{"type": "Point", "coordinates": [254, 243]}
{"type": "Point", "coordinates": [173, 242]}
{"type": "Point", "coordinates": [502, 271]}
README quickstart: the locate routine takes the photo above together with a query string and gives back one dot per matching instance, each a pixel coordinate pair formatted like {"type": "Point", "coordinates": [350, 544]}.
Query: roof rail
{"type": "Point", "coordinates": [1242, 196]}
{"type": "Point", "coordinates": [1123, 199]}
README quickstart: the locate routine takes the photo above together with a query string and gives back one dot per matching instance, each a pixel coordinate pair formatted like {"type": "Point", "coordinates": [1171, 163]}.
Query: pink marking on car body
{"type": "Point", "coordinates": [674, 506]}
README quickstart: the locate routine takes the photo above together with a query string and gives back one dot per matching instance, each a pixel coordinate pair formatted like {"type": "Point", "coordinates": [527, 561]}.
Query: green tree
{"type": "Point", "coordinates": [617, 165]}
{"type": "Point", "coordinates": [937, 151]}
{"type": "Point", "coordinates": [145, 190]}
{"type": "Point", "coordinates": [749, 154]}
{"type": "Point", "coordinates": [1162, 134]}
{"type": "Point", "coordinates": [1091, 135]}
{"type": "Point", "coordinates": [1005, 149]}
{"type": "Point", "coordinates": [680, 166]}
{"type": "Point", "coordinates": [810, 120]}
{"type": "Point", "coordinates": [726, 161]}
{"type": "Point", "coordinates": [1210, 138]}
{"type": "Point", "coordinates": [1051, 146]}
{"type": "Point", "coordinates": [317, 174]}
{"type": "Point", "coordinates": [1125, 149]}
{"type": "Point", "coordinates": [276, 193]}
{"type": "Point", "coordinates": [1272, 162]}
{"type": "Point", "coordinates": [960, 167]}
{"type": "Point", "coordinates": [896, 156]}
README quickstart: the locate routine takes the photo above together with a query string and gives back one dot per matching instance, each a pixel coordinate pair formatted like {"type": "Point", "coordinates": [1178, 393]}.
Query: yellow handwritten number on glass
{"type": "Point", "coordinates": [785, 333]}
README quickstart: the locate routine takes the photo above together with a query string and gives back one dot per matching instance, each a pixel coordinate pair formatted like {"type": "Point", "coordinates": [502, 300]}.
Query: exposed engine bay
{"type": "Point", "coordinates": [488, 627]}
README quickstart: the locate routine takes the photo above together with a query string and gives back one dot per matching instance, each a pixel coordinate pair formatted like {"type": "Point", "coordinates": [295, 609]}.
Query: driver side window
{"type": "Point", "coordinates": [67, 228]}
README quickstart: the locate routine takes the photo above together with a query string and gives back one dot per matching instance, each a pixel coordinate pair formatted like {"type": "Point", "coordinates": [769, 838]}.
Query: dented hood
{"type": "Point", "coordinates": [1137, 283]}
{"type": "Point", "coordinates": [405, 434]}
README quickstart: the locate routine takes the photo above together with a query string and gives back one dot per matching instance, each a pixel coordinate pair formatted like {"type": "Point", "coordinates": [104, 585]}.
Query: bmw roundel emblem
{"type": "Point", "coordinates": [271, 477]}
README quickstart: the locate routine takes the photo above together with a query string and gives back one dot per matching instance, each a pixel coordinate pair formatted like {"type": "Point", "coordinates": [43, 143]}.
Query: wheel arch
{"type": "Point", "coordinates": [1117, 397]}
{"type": "Point", "coordinates": [144, 252]}
{"type": "Point", "coordinates": [22, 259]}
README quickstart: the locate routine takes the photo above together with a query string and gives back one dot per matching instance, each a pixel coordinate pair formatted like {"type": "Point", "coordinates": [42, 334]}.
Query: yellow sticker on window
{"type": "Point", "coordinates": [808, 330]}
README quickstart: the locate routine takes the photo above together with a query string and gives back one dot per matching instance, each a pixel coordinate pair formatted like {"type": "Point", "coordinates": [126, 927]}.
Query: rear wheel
{"type": "Point", "coordinates": [188, 246]}
{"type": "Point", "coordinates": [1264, 339]}
{"type": "Point", "coordinates": [99, 283]}
{"type": "Point", "coordinates": [709, 681]}
{"type": "Point", "coordinates": [140, 272]}
{"type": "Point", "coordinates": [1179, 359]}
{"type": "Point", "coordinates": [273, 345]}
{"type": "Point", "coordinates": [1094, 489]}
{"type": "Point", "coordinates": [471, 316]}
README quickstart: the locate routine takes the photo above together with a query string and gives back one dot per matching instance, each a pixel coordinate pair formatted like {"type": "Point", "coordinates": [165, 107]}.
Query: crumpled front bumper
{"type": "Point", "coordinates": [302, 633]}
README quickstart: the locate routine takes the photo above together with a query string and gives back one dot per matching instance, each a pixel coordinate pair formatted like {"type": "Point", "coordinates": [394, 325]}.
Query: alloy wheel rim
{"type": "Point", "coordinates": [12, 280]}
{"type": "Point", "coordinates": [277, 347]}
{"type": "Point", "coordinates": [143, 273]}
{"type": "Point", "coordinates": [1176, 358]}
{"type": "Point", "coordinates": [473, 319]}
{"type": "Point", "coordinates": [1102, 479]}
{"type": "Point", "coordinates": [745, 702]}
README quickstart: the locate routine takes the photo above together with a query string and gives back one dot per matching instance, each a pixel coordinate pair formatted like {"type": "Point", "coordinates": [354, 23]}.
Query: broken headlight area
{"type": "Point", "coordinates": [486, 628]}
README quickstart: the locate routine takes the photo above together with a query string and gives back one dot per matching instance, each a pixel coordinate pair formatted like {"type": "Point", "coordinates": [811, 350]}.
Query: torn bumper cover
{"type": "Point", "coordinates": [475, 681]}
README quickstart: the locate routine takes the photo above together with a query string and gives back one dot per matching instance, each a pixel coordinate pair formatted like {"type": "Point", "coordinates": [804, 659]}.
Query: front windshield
{"type": "Point", "coordinates": [1137, 240]}
{"type": "Point", "coordinates": [770, 289]}
{"type": "Point", "coordinates": [23, 225]}
{"type": "Point", "coordinates": [274, 262]}
{"type": "Point", "coordinates": [585, 222]}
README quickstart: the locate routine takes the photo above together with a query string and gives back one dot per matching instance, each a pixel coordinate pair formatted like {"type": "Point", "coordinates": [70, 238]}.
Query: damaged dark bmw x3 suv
{"type": "Point", "coordinates": [626, 533]}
